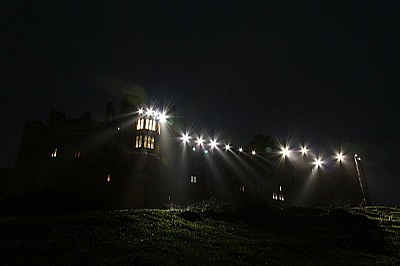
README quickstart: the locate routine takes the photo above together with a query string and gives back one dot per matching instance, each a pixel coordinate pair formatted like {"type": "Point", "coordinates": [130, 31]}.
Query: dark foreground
{"type": "Point", "coordinates": [253, 236]}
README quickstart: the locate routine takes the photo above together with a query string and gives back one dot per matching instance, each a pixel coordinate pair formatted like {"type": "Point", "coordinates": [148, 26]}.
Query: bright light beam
{"type": "Point", "coordinates": [285, 151]}
{"type": "Point", "coordinates": [200, 141]}
{"type": "Point", "coordinates": [339, 157]}
{"type": "Point", "coordinates": [163, 117]}
{"type": "Point", "coordinates": [304, 150]}
{"type": "Point", "coordinates": [213, 144]}
{"type": "Point", "coordinates": [185, 138]}
{"type": "Point", "coordinates": [318, 162]}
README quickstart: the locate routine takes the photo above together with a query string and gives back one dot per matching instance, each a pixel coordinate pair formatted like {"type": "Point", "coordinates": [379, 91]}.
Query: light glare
{"type": "Point", "coordinates": [163, 117]}
{"type": "Point", "coordinates": [213, 144]}
{"type": "Point", "coordinates": [285, 152]}
{"type": "Point", "coordinates": [200, 141]}
{"type": "Point", "coordinates": [185, 138]}
{"type": "Point", "coordinates": [304, 150]}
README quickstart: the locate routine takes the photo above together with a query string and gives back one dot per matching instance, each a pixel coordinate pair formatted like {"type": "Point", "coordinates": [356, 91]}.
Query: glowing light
{"type": "Point", "coordinates": [185, 138]}
{"type": "Point", "coordinates": [339, 157]}
{"type": "Point", "coordinates": [118, 128]}
{"type": "Point", "coordinates": [206, 151]}
{"type": "Point", "coordinates": [240, 149]}
{"type": "Point", "coordinates": [318, 162]}
{"type": "Point", "coordinates": [213, 143]}
{"type": "Point", "coordinates": [163, 117]}
{"type": "Point", "coordinates": [304, 150]}
{"type": "Point", "coordinates": [140, 111]}
{"type": "Point", "coordinates": [227, 147]}
{"type": "Point", "coordinates": [200, 141]}
{"type": "Point", "coordinates": [149, 111]}
{"type": "Point", "coordinates": [359, 158]}
{"type": "Point", "coordinates": [285, 151]}
{"type": "Point", "coordinates": [253, 152]}
{"type": "Point", "coordinates": [194, 149]}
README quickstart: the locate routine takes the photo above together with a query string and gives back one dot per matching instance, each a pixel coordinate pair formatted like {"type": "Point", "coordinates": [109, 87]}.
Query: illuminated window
{"type": "Point", "coordinates": [154, 125]}
{"type": "Point", "coordinates": [108, 177]}
{"type": "Point", "coordinates": [138, 124]}
{"type": "Point", "coordinates": [152, 143]}
{"type": "Point", "coordinates": [147, 123]}
{"type": "Point", "coordinates": [241, 188]}
{"type": "Point", "coordinates": [145, 142]}
{"type": "Point", "coordinates": [150, 124]}
{"type": "Point", "coordinates": [159, 129]}
{"type": "Point", "coordinates": [53, 153]}
{"type": "Point", "coordinates": [137, 142]}
{"type": "Point", "coordinates": [193, 179]}
{"type": "Point", "coordinates": [140, 141]}
{"type": "Point", "coordinates": [278, 196]}
{"type": "Point", "coordinates": [77, 154]}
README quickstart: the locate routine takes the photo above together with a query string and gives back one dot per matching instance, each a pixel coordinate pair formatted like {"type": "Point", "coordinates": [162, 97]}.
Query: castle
{"type": "Point", "coordinates": [143, 157]}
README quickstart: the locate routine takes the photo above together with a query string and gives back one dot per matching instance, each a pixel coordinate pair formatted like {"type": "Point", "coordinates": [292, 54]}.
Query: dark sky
{"type": "Point", "coordinates": [323, 70]}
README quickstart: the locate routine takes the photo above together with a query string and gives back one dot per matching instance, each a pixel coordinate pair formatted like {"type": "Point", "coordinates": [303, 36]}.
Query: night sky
{"type": "Point", "coordinates": [322, 70]}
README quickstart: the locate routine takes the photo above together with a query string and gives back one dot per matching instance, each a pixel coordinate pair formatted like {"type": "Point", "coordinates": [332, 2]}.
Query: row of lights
{"type": "Point", "coordinates": [285, 151]}
{"type": "Point", "coordinates": [159, 115]}
{"type": "Point", "coordinates": [213, 143]}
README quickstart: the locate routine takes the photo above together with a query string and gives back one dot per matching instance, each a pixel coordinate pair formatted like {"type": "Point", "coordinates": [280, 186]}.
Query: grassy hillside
{"type": "Point", "coordinates": [294, 236]}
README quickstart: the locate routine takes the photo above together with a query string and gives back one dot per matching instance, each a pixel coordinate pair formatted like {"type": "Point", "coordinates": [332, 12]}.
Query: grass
{"type": "Point", "coordinates": [293, 236]}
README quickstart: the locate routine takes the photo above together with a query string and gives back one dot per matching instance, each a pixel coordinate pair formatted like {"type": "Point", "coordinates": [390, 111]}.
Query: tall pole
{"type": "Point", "coordinates": [362, 180]}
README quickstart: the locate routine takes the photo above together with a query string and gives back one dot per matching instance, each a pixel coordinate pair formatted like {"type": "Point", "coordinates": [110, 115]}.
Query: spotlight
{"type": "Point", "coordinates": [318, 162]}
{"type": "Point", "coordinates": [185, 138]}
{"type": "Point", "coordinates": [194, 149]}
{"type": "Point", "coordinates": [285, 151]}
{"type": "Point", "coordinates": [253, 152]}
{"type": "Point", "coordinates": [149, 112]}
{"type": "Point", "coordinates": [304, 150]}
{"type": "Point", "coordinates": [163, 117]}
{"type": "Point", "coordinates": [200, 141]}
{"type": "Point", "coordinates": [339, 157]}
{"type": "Point", "coordinates": [205, 151]}
{"type": "Point", "coordinates": [213, 144]}
{"type": "Point", "coordinates": [140, 111]}
{"type": "Point", "coordinates": [227, 147]}
{"type": "Point", "coordinates": [240, 149]}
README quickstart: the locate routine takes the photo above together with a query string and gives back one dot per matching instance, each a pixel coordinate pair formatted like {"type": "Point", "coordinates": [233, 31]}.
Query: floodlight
{"type": "Point", "coordinates": [213, 144]}
{"type": "Point", "coordinates": [240, 149]}
{"type": "Point", "coordinates": [318, 162]}
{"type": "Point", "coordinates": [227, 147]}
{"type": "Point", "coordinates": [200, 141]}
{"type": "Point", "coordinates": [185, 138]}
{"type": "Point", "coordinates": [340, 157]}
{"type": "Point", "coordinates": [285, 151]}
{"type": "Point", "coordinates": [253, 152]}
{"type": "Point", "coordinates": [304, 150]}
{"type": "Point", "coordinates": [163, 117]}
{"type": "Point", "coordinates": [140, 111]}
